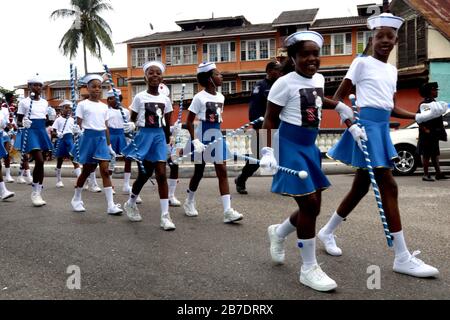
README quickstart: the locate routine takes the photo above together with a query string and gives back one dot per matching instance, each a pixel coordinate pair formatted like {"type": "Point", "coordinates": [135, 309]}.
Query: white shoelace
{"type": "Point", "coordinates": [415, 260]}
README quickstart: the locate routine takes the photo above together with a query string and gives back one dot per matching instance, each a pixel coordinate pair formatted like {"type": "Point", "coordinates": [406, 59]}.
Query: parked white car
{"type": "Point", "coordinates": [405, 141]}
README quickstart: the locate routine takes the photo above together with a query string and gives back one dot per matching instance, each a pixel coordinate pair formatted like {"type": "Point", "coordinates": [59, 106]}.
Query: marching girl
{"type": "Point", "coordinates": [5, 194]}
{"type": "Point", "coordinates": [62, 128]}
{"type": "Point", "coordinates": [172, 181]}
{"type": "Point", "coordinates": [376, 83]}
{"type": "Point", "coordinates": [297, 100]}
{"type": "Point", "coordinates": [207, 106]}
{"type": "Point", "coordinates": [151, 111]}
{"type": "Point", "coordinates": [8, 108]}
{"type": "Point", "coordinates": [38, 140]}
{"type": "Point", "coordinates": [94, 145]}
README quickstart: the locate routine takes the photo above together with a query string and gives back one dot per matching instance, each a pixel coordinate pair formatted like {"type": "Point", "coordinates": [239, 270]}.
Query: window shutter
{"type": "Point", "coordinates": [133, 58]}
{"type": "Point", "coordinates": [169, 56]}
{"type": "Point", "coordinates": [243, 51]}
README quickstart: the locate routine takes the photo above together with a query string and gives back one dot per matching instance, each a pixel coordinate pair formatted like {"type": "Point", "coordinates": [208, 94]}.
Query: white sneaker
{"type": "Point", "coordinates": [329, 242]}
{"type": "Point", "coordinates": [78, 206]}
{"type": "Point", "coordinates": [167, 223]}
{"type": "Point", "coordinates": [276, 245]}
{"type": "Point", "coordinates": [189, 209]}
{"type": "Point", "coordinates": [29, 180]}
{"type": "Point", "coordinates": [173, 202]}
{"type": "Point", "coordinates": [116, 210]}
{"type": "Point", "coordinates": [9, 179]}
{"type": "Point", "coordinates": [94, 188]}
{"type": "Point", "coordinates": [139, 200]}
{"type": "Point", "coordinates": [59, 185]}
{"type": "Point", "coordinates": [7, 195]}
{"type": "Point", "coordinates": [232, 216]}
{"type": "Point", "coordinates": [36, 199]}
{"type": "Point", "coordinates": [415, 267]}
{"type": "Point", "coordinates": [21, 180]}
{"type": "Point", "coordinates": [316, 279]}
{"type": "Point", "coordinates": [127, 190]}
{"type": "Point", "coordinates": [132, 212]}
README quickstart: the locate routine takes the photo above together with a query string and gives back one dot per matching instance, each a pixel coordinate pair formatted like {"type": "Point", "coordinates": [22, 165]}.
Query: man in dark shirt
{"type": "Point", "coordinates": [257, 109]}
{"type": "Point", "coordinates": [430, 133]}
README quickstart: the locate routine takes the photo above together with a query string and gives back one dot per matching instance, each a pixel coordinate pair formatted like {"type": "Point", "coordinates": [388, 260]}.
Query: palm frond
{"type": "Point", "coordinates": [63, 13]}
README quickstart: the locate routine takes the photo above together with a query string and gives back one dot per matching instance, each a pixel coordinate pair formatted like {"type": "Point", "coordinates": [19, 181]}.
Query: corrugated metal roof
{"type": "Point", "coordinates": [339, 22]}
{"type": "Point", "coordinates": [436, 12]}
{"type": "Point", "coordinates": [296, 17]}
{"type": "Point", "coordinates": [196, 34]}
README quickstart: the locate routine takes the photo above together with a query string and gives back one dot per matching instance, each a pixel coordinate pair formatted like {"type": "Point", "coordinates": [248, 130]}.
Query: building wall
{"type": "Point", "coordinates": [438, 46]}
{"type": "Point", "coordinates": [440, 73]}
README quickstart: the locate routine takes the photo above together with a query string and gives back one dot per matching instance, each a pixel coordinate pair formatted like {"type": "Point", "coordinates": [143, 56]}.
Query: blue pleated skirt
{"type": "Point", "coordinates": [117, 139]}
{"type": "Point", "coordinates": [64, 146]}
{"type": "Point", "coordinates": [6, 138]}
{"type": "Point", "coordinates": [382, 151]}
{"type": "Point", "coordinates": [218, 152]}
{"type": "Point", "coordinates": [296, 149]}
{"type": "Point", "coordinates": [3, 152]}
{"type": "Point", "coordinates": [93, 148]}
{"type": "Point", "coordinates": [149, 145]}
{"type": "Point", "coordinates": [37, 137]}
{"type": "Point", "coordinates": [18, 142]}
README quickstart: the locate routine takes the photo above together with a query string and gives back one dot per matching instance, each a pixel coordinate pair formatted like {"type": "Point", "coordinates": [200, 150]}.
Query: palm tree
{"type": "Point", "coordinates": [87, 27]}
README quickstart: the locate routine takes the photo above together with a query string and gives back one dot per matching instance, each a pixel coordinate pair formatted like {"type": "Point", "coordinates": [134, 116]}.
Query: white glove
{"type": "Point", "coordinates": [345, 112]}
{"type": "Point", "coordinates": [268, 162]}
{"type": "Point", "coordinates": [177, 128]}
{"type": "Point", "coordinates": [198, 146]}
{"type": "Point", "coordinates": [358, 134]}
{"type": "Point", "coordinates": [76, 130]}
{"type": "Point", "coordinates": [27, 123]}
{"type": "Point", "coordinates": [432, 110]}
{"type": "Point", "coordinates": [129, 127]}
{"type": "Point", "coordinates": [111, 152]}
{"type": "Point", "coordinates": [60, 135]}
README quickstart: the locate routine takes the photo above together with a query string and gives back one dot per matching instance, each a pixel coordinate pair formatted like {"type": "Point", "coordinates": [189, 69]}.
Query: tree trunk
{"type": "Point", "coordinates": [85, 58]}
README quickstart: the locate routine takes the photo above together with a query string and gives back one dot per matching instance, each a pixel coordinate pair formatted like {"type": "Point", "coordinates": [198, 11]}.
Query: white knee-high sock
{"type": "Point", "coordinates": [93, 179]}
{"type": "Point", "coordinates": [78, 192]}
{"type": "Point", "coordinates": [400, 248]}
{"type": "Point", "coordinates": [308, 253]}
{"type": "Point", "coordinates": [126, 178]}
{"type": "Point", "coordinates": [109, 197]}
{"type": "Point", "coordinates": [191, 196]}
{"type": "Point", "coordinates": [226, 201]}
{"type": "Point", "coordinates": [8, 172]}
{"type": "Point", "coordinates": [164, 206]}
{"type": "Point", "coordinates": [2, 187]}
{"type": "Point", "coordinates": [58, 174]}
{"type": "Point", "coordinates": [285, 229]}
{"type": "Point", "coordinates": [77, 172]}
{"type": "Point", "coordinates": [333, 223]}
{"type": "Point", "coordinates": [172, 187]}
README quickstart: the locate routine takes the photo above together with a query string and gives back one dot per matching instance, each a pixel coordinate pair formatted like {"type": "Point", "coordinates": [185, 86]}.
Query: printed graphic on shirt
{"type": "Point", "coordinates": [214, 112]}
{"type": "Point", "coordinates": [154, 115]}
{"type": "Point", "coordinates": [311, 102]}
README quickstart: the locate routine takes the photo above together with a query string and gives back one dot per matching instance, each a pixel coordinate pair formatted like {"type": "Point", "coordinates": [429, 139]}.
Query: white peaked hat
{"type": "Point", "coordinates": [90, 77]}
{"type": "Point", "coordinates": [36, 79]}
{"type": "Point", "coordinates": [385, 20]}
{"type": "Point", "coordinates": [158, 64]}
{"type": "Point", "coordinates": [307, 35]}
{"type": "Point", "coordinates": [65, 103]}
{"type": "Point", "coordinates": [206, 67]}
{"type": "Point", "coordinates": [110, 93]}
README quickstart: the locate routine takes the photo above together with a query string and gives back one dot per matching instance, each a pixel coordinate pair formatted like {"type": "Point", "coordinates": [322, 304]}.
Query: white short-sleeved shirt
{"type": "Point", "coordinates": [38, 111]}
{"type": "Point", "coordinates": [301, 99]}
{"type": "Point", "coordinates": [58, 125]}
{"type": "Point", "coordinates": [375, 81]}
{"type": "Point", "coordinates": [93, 114]}
{"type": "Point", "coordinates": [208, 107]}
{"type": "Point", "coordinates": [115, 118]}
{"type": "Point", "coordinates": [151, 109]}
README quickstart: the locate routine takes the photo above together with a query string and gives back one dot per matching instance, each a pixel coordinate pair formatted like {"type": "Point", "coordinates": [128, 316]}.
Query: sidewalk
{"type": "Point", "coordinates": [330, 167]}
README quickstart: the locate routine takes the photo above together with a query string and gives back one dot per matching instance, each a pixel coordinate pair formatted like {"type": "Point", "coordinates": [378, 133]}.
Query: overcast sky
{"type": "Point", "coordinates": [30, 40]}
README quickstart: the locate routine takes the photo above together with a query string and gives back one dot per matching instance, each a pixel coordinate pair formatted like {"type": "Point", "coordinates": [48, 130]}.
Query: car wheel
{"type": "Point", "coordinates": [407, 160]}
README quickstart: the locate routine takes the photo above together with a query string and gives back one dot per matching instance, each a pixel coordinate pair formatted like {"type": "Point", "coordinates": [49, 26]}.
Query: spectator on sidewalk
{"type": "Point", "coordinates": [430, 133]}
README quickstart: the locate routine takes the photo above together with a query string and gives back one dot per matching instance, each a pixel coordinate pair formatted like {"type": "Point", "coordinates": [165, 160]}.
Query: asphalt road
{"type": "Point", "coordinates": [205, 259]}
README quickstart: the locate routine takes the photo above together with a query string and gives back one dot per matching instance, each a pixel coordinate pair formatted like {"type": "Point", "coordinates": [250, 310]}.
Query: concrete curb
{"type": "Point", "coordinates": [185, 171]}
